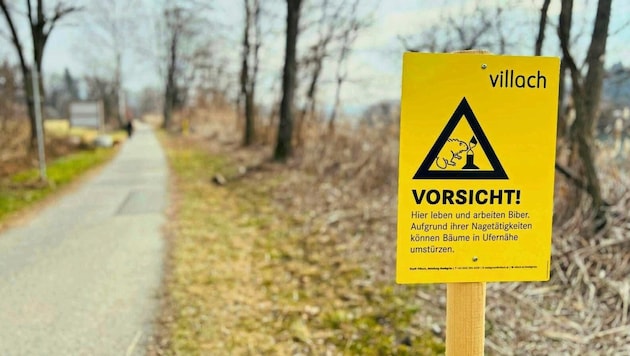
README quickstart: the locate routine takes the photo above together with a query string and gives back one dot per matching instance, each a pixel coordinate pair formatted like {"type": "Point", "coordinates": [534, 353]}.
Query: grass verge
{"type": "Point", "coordinates": [244, 278]}
{"type": "Point", "coordinates": [23, 189]}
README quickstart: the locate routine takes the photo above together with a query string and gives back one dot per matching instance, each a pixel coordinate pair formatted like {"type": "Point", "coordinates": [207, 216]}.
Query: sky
{"type": "Point", "coordinates": [379, 51]}
{"type": "Point", "coordinates": [374, 67]}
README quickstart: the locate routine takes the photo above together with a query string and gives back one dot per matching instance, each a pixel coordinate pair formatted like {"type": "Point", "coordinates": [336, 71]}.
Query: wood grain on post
{"type": "Point", "coordinates": [465, 318]}
{"type": "Point", "coordinates": [466, 307]}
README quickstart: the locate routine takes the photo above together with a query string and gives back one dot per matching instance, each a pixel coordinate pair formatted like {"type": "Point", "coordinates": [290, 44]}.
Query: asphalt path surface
{"type": "Point", "coordinates": [82, 277]}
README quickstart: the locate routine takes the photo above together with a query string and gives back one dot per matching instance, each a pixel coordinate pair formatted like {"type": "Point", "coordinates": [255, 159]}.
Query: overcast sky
{"type": "Point", "coordinates": [375, 65]}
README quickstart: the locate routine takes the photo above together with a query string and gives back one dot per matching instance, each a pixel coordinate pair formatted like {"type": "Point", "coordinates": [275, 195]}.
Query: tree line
{"type": "Point", "coordinates": [190, 62]}
{"type": "Point", "coordinates": [580, 96]}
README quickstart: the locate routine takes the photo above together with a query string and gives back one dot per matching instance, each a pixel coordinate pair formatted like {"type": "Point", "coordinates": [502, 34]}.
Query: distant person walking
{"type": "Point", "coordinates": [129, 128]}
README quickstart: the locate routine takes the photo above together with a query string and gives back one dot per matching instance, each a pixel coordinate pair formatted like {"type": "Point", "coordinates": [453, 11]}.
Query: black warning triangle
{"type": "Point", "coordinates": [463, 110]}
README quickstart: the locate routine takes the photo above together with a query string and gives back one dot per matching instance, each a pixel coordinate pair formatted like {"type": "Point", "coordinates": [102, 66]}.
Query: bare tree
{"type": "Point", "coordinates": [249, 72]}
{"type": "Point", "coordinates": [586, 92]}
{"type": "Point", "coordinates": [482, 28]}
{"type": "Point", "coordinates": [283, 148]}
{"type": "Point", "coordinates": [150, 101]}
{"type": "Point", "coordinates": [174, 26]}
{"type": "Point", "coordinates": [104, 89]}
{"type": "Point", "coordinates": [190, 62]}
{"type": "Point", "coordinates": [348, 36]}
{"type": "Point", "coordinates": [61, 90]}
{"type": "Point", "coordinates": [213, 80]}
{"type": "Point", "coordinates": [112, 26]}
{"type": "Point", "coordinates": [334, 26]}
{"type": "Point", "coordinates": [540, 39]}
{"type": "Point", "coordinates": [313, 61]}
{"type": "Point", "coordinates": [178, 22]}
{"type": "Point", "coordinates": [41, 24]}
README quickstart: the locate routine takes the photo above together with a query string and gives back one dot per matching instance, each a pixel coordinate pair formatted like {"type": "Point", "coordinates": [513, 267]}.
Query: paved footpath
{"type": "Point", "coordinates": [82, 277]}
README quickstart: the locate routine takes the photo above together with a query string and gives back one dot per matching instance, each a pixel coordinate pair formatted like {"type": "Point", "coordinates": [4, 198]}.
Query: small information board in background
{"type": "Point", "coordinates": [476, 173]}
{"type": "Point", "coordinates": [87, 114]}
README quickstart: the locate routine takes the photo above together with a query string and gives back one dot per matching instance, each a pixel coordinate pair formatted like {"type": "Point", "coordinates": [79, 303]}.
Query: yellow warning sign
{"type": "Point", "coordinates": [477, 153]}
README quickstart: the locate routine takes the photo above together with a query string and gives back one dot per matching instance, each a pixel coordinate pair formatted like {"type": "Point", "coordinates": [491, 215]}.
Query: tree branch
{"type": "Point", "coordinates": [29, 12]}
{"type": "Point", "coordinates": [564, 34]}
{"type": "Point", "coordinates": [60, 12]}
{"type": "Point", "coordinates": [14, 36]}
{"type": "Point", "coordinates": [541, 28]}
{"type": "Point", "coordinates": [573, 177]}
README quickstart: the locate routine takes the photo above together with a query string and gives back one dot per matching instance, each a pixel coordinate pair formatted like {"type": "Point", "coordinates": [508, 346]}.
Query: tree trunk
{"type": "Point", "coordinates": [308, 110]}
{"type": "Point", "coordinates": [30, 107]}
{"type": "Point", "coordinates": [595, 63]}
{"type": "Point", "coordinates": [170, 92]}
{"type": "Point", "coordinates": [586, 92]}
{"type": "Point", "coordinates": [561, 131]}
{"type": "Point", "coordinates": [283, 148]}
{"type": "Point", "coordinates": [247, 89]}
{"type": "Point", "coordinates": [250, 130]}
{"type": "Point", "coordinates": [542, 25]}
{"type": "Point", "coordinates": [40, 37]}
{"type": "Point", "coordinates": [168, 105]}
{"type": "Point", "coordinates": [592, 97]}
{"type": "Point", "coordinates": [253, 77]}
{"type": "Point", "coordinates": [336, 107]}
{"type": "Point", "coordinates": [120, 113]}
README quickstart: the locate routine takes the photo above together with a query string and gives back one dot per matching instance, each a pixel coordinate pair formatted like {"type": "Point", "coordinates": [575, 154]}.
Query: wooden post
{"type": "Point", "coordinates": [465, 318]}
{"type": "Point", "coordinates": [466, 307]}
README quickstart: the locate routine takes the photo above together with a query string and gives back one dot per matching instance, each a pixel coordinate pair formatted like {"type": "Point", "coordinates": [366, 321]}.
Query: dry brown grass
{"type": "Point", "coordinates": [340, 190]}
{"type": "Point", "coordinates": [15, 155]}
{"type": "Point", "coordinates": [272, 261]}
{"type": "Point", "coordinates": [582, 309]}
